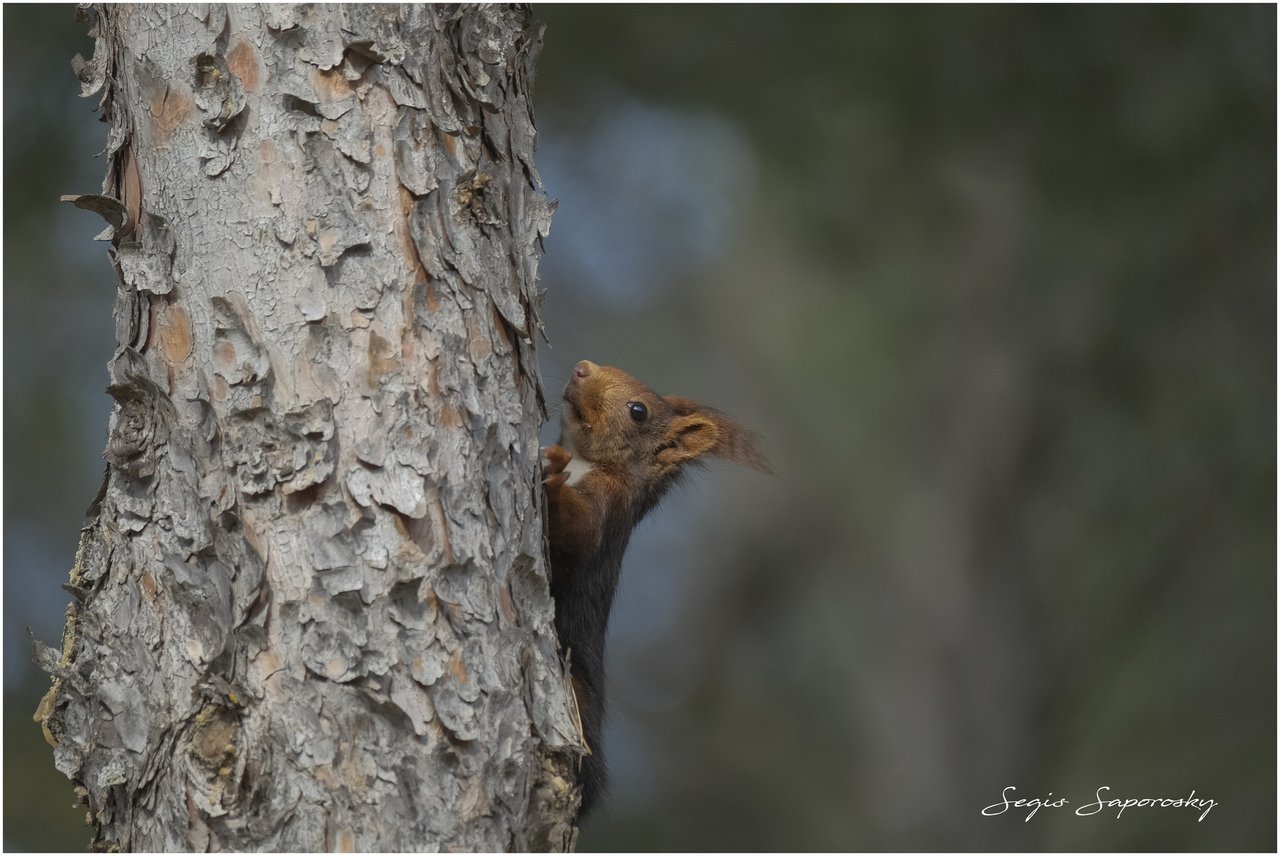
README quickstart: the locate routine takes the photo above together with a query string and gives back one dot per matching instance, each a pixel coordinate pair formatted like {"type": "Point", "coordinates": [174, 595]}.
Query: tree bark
{"type": "Point", "coordinates": [311, 608]}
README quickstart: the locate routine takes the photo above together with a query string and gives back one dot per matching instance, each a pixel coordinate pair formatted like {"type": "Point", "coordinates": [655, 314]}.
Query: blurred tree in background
{"type": "Point", "coordinates": [999, 286]}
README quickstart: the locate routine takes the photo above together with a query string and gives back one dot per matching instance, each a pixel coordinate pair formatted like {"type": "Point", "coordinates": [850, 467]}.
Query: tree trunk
{"type": "Point", "coordinates": [311, 606]}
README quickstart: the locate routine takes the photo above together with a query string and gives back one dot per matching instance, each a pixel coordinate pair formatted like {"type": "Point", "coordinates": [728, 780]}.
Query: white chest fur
{"type": "Point", "coordinates": [577, 470]}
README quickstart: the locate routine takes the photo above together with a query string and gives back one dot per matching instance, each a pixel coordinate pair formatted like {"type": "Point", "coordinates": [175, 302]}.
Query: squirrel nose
{"type": "Point", "coordinates": [584, 368]}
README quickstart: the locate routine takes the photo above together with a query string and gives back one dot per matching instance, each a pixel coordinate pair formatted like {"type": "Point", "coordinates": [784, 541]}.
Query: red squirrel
{"type": "Point", "coordinates": [622, 447]}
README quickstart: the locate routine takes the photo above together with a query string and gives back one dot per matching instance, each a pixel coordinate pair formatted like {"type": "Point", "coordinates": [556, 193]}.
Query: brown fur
{"type": "Point", "coordinates": [632, 465]}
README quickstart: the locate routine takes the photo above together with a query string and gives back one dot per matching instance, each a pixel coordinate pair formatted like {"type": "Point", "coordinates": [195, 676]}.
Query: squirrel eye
{"type": "Point", "coordinates": [638, 411]}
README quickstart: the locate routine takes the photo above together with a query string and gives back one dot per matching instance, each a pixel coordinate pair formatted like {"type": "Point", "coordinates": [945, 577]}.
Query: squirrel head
{"type": "Point", "coordinates": [612, 419]}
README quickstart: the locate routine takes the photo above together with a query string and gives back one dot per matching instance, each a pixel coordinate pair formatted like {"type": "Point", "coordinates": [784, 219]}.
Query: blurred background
{"type": "Point", "coordinates": [999, 287]}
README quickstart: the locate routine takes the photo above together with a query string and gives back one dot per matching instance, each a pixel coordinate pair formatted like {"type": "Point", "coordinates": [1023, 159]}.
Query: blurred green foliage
{"type": "Point", "coordinates": [58, 333]}
{"type": "Point", "coordinates": [1003, 298]}
{"type": "Point", "coordinates": [997, 283]}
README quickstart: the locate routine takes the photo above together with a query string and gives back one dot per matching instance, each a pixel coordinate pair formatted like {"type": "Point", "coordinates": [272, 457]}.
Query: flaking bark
{"type": "Point", "coordinates": [311, 604]}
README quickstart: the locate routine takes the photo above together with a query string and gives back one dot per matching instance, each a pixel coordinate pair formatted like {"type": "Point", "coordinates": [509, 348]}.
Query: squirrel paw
{"type": "Point", "coordinates": [555, 459]}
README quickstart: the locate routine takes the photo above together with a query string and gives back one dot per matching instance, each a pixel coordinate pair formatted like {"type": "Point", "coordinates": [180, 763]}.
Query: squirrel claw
{"type": "Point", "coordinates": [555, 459]}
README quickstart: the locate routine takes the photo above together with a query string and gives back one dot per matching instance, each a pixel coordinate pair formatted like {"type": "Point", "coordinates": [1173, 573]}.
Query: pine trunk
{"type": "Point", "coordinates": [311, 604]}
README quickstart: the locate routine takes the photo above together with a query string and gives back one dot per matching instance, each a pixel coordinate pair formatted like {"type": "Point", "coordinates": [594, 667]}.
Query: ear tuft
{"type": "Point", "coordinates": [741, 446]}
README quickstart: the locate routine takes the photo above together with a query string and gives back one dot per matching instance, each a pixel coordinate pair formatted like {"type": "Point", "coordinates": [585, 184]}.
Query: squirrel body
{"type": "Point", "coordinates": [622, 447]}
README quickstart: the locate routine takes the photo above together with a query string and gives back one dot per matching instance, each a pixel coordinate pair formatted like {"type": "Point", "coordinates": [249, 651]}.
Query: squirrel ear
{"type": "Point", "coordinates": [688, 437]}
{"type": "Point", "coordinates": [699, 430]}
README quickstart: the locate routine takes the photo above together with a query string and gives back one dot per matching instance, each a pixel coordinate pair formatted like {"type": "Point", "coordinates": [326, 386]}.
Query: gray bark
{"type": "Point", "coordinates": [312, 609]}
